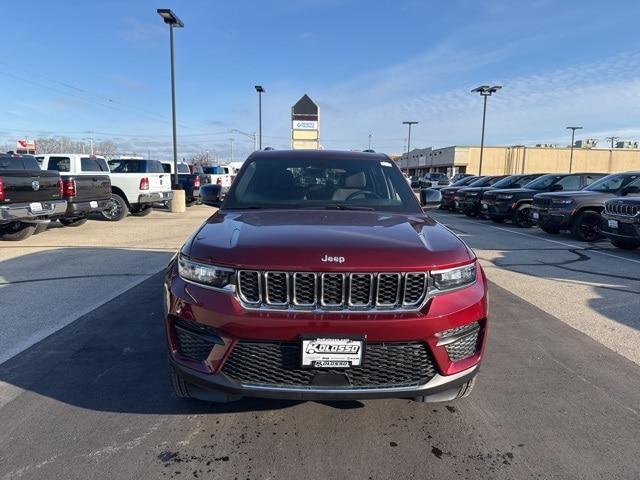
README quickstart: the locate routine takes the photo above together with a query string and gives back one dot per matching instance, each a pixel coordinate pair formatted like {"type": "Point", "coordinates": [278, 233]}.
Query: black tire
{"type": "Point", "coordinates": [551, 230]}
{"type": "Point", "coordinates": [17, 231]}
{"type": "Point", "coordinates": [191, 202]}
{"type": "Point", "coordinates": [463, 391]}
{"type": "Point", "coordinates": [180, 387]}
{"type": "Point", "coordinates": [117, 210]}
{"type": "Point", "coordinates": [522, 216]}
{"type": "Point", "coordinates": [625, 244]}
{"type": "Point", "coordinates": [471, 213]}
{"type": "Point", "coordinates": [141, 210]}
{"type": "Point", "coordinates": [41, 227]}
{"type": "Point", "coordinates": [586, 226]}
{"type": "Point", "coordinates": [495, 219]}
{"type": "Point", "coordinates": [73, 222]}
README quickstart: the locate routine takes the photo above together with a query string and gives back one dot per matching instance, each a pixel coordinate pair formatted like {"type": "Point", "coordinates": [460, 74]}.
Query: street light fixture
{"type": "Point", "coordinates": [573, 136]}
{"type": "Point", "coordinates": [260, 90]}
{"type": "Point", "coordinates": [173, 21]}
{"type": "Point", "coordinates": [485, 91]}
{"type": "Point", "coordinates": [409, 137]}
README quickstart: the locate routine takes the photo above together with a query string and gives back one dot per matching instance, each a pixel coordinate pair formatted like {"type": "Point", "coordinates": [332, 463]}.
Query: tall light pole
{"type": "Point", "coordinates": [231, 140]}
{"type": "Point", "coordinates": [613, 139]}
{"type": "Point", "coordinates": [573, 138]}
{"type": "Point", "coordinates": [485, 91]}
{"type": "Point", "coordinates": [409, 136]}
{"type": "Point", "coordinates": [173, 21]}
{"type": "Point", "coordinates": [370, 141]}
{"type": "Point", "coordinates": [260, 90]}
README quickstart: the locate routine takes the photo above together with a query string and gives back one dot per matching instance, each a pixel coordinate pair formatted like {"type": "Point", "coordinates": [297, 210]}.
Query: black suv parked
{"type": "Point", "coordinates": [515, 203]}
{"type": "Point", "coordinates": [459, 196]}
{"type": "Point", "coordinates": [621, 222]}
{"type": "Point", "coordinates": [449, 192]}
{"type": "Point", "coordinates": [579, 212]}
{"type": "Point", "coordinates": [471, 206]}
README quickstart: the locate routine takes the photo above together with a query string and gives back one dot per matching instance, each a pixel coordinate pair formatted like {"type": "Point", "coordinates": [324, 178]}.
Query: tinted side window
{"type": "Point", "coordinates": [571, 182]}
{"type": "Point", "coordinates": [125, 166]}
{"type": "Point", "coordinates": [166, 167]}
{"type": "Point", "coordinates": [61, 164]}
{"type": "Point", "coordinates": [153, 166]}
{"type": "Point", "coordinates": [93, 165]}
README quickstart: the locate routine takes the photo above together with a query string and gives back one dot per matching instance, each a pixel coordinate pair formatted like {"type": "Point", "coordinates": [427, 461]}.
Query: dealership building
{"type": "Point", "coordinates": [519, 159]}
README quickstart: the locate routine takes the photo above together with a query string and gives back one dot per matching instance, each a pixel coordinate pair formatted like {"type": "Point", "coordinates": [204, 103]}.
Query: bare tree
{"type": "Point", "coordinates": [200, 158]}
{"type": "Point", "coordinates": [106, 148]}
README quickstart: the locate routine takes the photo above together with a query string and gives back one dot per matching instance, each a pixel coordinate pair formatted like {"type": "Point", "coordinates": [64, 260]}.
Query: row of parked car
{"type": "Point", "coordinates": [588, 205]}
{"type": "Point", "coordinates": [35, 190]}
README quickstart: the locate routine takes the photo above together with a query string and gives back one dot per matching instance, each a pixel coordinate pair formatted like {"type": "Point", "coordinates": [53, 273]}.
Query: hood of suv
{"type": "Point", "coordinates": [577, 194]}
{"type": "Point", "coordinates": [516, 192]}
{"type": "Point", "coordinates": [313, 240]}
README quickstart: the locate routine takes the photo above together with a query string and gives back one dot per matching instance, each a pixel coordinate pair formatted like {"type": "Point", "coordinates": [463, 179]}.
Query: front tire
{"type": "Point", "coordinates": [73, 222]}
{"type": "Point", "coordinates": [522, 216]}
{"type": "Point", "coordinates": [16, 231]}
{"type": "Point", "coordinates": [625, 244]}
{"type": "Point", "coordinates": [586, 226]}
{"type": "Point", "coordinates": [471, 213]}
{"type": "Point", "coordinates": [117, 210]}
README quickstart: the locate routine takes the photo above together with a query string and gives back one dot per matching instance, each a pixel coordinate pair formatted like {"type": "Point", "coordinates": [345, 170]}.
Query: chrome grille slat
{"type": "Point", "coordinates": [332, 291]}
{"type": "Point", "coordinates": [622, 209]}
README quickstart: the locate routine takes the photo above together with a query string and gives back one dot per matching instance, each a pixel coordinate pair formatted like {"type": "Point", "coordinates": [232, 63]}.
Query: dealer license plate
{"type": "Point", "coordinates": [612, 223]}
{"type": "Point", "coordinates": [93, 204]}
{"type": "Point", "coordinates": [36, 207]}
{"type": "Point", "coordinates": [535, 215]}
{"type": "Point", "coordinates": [331, 352]}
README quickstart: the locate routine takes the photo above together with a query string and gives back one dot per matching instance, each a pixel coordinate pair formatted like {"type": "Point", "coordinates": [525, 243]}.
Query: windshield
{"type": "Point", "coordinates": [325, 183]}
{"type": "Point", "coordinates": [464, 181]}
{"type": "Point", "coordinates": [544, 182]}
{"type": "Point", "coordinates": [506, 182]}
{"type": "Point", "coordinates": [613, 183]}
{"type": "Point", "coordinates": [480, 182]}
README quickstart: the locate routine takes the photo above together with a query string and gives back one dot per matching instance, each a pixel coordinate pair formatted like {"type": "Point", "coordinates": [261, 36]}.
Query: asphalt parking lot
{"type": "Point", "coordinates": [557, 396]}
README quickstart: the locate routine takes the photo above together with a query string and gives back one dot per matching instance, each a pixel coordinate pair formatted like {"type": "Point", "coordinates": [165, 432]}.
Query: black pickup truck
{"type": "Point", "coordinates": [621, 222]}
{"type": "Point", "coordinates": [29, 196]}
{"type": "Point", "coordinates": [579, 212]}
{"type": "Point", "coordinates": [515, 203]}
{"type": "Point", "coordinates": [86, 185]}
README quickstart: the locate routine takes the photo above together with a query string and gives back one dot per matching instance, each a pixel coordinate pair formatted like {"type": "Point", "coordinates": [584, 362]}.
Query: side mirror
{"type": "Point", "coordinates": [555, 187]}
{"type": "Point", "coordinates": [210, 195]}
{"type": "Point", "coordinates": [430, 198]}
{"type": "Point", "coordinates": [630, 189]}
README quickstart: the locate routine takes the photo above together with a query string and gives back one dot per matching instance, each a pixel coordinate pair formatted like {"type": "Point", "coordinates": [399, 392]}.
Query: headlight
{"type": "Point", "coordinates": [560, 201]}
{"type": "Point", "coordinates": [203, 273]}
{"type": "Point", "coordinates": [505, 196]}
{"type": "Point", "coordinates": [454, 277]}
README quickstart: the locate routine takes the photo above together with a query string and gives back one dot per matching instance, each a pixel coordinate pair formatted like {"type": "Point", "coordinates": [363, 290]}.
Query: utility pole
{"type": "Point", "coordinates": [613, 139]}
{"type": "Point", "coordinates": [573, 138]}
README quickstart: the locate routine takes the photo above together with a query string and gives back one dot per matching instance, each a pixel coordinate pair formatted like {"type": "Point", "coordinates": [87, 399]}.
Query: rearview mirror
{"type": "Point", "coordinates": [210, 195]}
{"type": "Point", "coordinates": [430, 198]}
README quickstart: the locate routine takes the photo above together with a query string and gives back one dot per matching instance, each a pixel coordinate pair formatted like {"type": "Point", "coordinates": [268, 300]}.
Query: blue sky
{"type": "Point", "coordinates": [103, 66]}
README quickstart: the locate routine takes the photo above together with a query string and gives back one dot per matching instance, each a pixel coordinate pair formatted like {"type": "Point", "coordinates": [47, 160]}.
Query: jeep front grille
{"type": "Point", "coordinates": [278, 364]}
{"type": "Point", "coordinates": [622, 209]}
{"type": "Point", "coordinates": [332, 291]}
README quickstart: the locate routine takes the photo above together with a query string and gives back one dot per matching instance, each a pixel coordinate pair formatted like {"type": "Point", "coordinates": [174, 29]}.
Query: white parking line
{"type": "Point", "coordinates": [577, 247]}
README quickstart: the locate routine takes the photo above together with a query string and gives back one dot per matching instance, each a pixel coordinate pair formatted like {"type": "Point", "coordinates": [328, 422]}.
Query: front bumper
{"type": "Point", "coordinates": [155, 197]}
{"type": "Point", "coordinates": [625, 227]}
{"type": "Point", "coordinates": [551, 217]}
{"type": "Point", "coordinates": [28, 212]}
{"type": "Point", "coordinates": [470, 204]}
{"type": "Point", "coordinates": [497, 208]}
{"type": "Point", "coordinates": [218, 314]}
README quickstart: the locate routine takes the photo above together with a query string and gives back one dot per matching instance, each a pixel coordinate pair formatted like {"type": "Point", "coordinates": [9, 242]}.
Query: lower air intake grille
{"type": "Point", "coordinates": [191, 343]}
{"type": "Point", "coordinates": [278, 364]}
{"type": "Point", "coordinates": [466, 344]}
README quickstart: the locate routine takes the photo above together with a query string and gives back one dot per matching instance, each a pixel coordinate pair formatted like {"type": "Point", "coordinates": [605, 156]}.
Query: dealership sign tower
{"type": "Point", "coordinates": [305, 125]}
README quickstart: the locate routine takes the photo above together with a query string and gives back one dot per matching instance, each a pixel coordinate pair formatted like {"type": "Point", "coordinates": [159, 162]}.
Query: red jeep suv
{"type": "Point", "coordinates": [321, 278]}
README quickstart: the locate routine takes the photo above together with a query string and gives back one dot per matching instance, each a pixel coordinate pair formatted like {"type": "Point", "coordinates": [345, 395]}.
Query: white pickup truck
{"type": "Point", "coordinates": [222, 175]}
{"type": "Point", "coordinates": [136, 184]}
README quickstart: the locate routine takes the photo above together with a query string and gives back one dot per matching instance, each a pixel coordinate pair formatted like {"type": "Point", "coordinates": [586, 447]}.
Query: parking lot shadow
{"type": "Point", "coordinates": [112, 359]}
